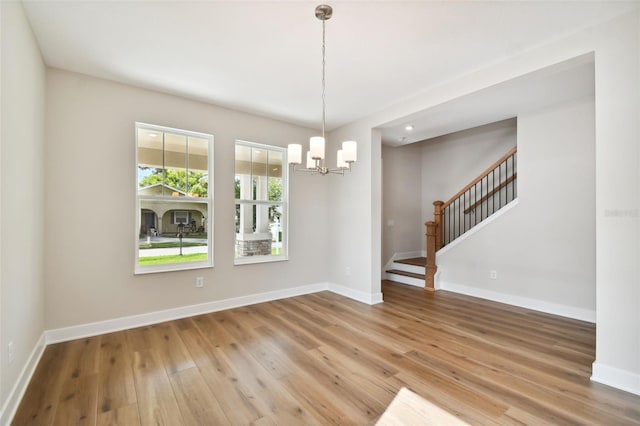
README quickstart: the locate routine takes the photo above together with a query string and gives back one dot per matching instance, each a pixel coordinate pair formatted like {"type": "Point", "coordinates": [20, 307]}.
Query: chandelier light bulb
{"type": "Point", "coordinates": [294, 153]}
{"type": "Point", "coordinates": [316, 144]}
{"type": "Point", "coordinates": [350, 149]}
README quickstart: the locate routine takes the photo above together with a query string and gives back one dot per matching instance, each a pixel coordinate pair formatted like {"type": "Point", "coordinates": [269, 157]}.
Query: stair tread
{"type": "Point", "coordinates": [416, 261]}
{"type": "Point", "coordinates": [405, 273]}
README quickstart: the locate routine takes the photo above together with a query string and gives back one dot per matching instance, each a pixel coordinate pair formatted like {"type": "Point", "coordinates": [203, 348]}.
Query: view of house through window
{"type": "Point", "coordinates": [173, 199]}
{"type": "Point", "coordinates": [261, 203]}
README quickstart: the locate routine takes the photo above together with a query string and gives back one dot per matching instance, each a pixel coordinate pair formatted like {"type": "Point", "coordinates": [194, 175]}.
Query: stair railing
{"type": "Point", "coordinates": [485, 195]}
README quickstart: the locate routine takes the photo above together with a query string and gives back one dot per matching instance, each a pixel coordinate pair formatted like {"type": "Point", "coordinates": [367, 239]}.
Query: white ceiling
{"type": "Point", "coordinates": [264, 57]}
{"type": "Point", "coordinates": [563, 82]}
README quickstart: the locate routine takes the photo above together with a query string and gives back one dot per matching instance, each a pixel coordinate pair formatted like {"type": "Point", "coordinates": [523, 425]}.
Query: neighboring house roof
{"type": "Point", "coordinates": [158, 187]}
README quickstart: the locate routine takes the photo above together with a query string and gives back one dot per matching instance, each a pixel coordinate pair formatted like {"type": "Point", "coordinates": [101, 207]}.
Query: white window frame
{"type": "Point", "coordinates": [176, 213]}
{"type": "Point", "coordinates": [209, 263]}
{"type": "Point", "coordinates": [284, 222]}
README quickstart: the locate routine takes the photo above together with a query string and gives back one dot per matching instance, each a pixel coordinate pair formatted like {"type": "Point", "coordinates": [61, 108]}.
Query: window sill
{"type": "Point", "coordinates": [250, 260]}
{"type": "Point", "coordinates": [171, 268]}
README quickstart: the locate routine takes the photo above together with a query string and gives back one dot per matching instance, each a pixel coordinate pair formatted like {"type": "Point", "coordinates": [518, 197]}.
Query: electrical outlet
{"type": "Point", "coordinates": [493, 275]}
{"type": "Point", "coordinates": [10, 352]}
{"type": "Point", "coordinates": [199, 282]}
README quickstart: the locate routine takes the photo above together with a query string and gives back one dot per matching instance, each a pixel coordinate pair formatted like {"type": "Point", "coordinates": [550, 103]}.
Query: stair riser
{"type": "Point", "coordinates": [408, 268]}
{"type": "Point", "coordinates": [405, 280]}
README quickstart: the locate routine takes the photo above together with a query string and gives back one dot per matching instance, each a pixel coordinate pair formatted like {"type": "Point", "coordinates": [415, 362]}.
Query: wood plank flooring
{"type": "Point", "coordinates": [325, 359]}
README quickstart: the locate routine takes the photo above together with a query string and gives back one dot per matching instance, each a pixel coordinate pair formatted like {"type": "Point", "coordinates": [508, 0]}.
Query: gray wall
{"type": "Point", "coordinates": [402, 218]}
{"type": "Point", "coordinates": [544, 248]}
{"type": "Point", "coordinates": [21, 193]}
{"type": "Point", "coordinates": [90, 144]}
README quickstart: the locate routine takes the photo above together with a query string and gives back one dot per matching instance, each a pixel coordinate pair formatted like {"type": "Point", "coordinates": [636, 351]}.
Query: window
{"type": "Point", "coordinates": [180, 217]}
{"type": "Point", "coordinates": [261, 203]}
{"type": "Point", "coordinates": [173, 199]}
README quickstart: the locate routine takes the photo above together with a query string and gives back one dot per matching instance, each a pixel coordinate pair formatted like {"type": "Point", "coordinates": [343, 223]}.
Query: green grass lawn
{"type": "Point", "coordinates": [162, 260]}
{"type": "Point", "coordinates": [170, 244]}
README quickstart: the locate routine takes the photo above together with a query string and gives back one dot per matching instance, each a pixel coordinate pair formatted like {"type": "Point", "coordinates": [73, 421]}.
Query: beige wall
{"type": "Point", "coordinates": [21, 193]}
{"type": "Point", "coordinates": [544, 248]}
{"type": "Point", "coordinates": [618, 202]}
{"type": "Point", "coordinates": [92, 278]}
{"type": "Point", "coordinates": [402, 219]}
{"type": "Point", "coordinates": [355, 217]}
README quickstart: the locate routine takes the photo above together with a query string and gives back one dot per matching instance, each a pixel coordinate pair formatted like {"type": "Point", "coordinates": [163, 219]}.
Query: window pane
{"type": "Point", "coordinates": [274, 170]}
{"type": "Point", "coordinates": [259, 174]}
{"type": "Point", "coordinates": [150, 162]}
{"type": "Point", "coordinates": [258, 230]}
{"type": "Point", "coordinates": [198, 166]}
{"type": "Point", "coordinates": [159, 240]}
{"type": "Point", "coordinates": [175, 164]}
{"type": "Point", "coordinates": [243, 173]}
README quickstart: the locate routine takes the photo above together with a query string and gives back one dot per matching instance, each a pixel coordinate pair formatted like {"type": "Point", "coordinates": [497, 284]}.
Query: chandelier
{"type": "Point", "coordinates": [315, 156]}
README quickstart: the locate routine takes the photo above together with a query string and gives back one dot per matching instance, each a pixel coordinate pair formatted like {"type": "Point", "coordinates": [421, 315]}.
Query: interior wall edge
{"type": "Point", "coordinates": [20, 386]}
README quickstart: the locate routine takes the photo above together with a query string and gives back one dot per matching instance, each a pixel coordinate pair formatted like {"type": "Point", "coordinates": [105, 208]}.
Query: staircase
{"type": "Point", "coordinates": [484, 196]}
{"type": "Point", "coordinates": [408, 271]}
{"type": "Point", "coordinates": [480, 199]}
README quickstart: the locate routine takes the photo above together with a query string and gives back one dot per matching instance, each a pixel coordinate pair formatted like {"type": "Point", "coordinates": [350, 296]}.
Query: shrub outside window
{"type": "Point", "coordinates": [261, 193]}
{"type": "Point", "coordinates": [173, 199]}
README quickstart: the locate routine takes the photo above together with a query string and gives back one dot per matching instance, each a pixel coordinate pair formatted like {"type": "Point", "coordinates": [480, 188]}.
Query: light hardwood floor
{"type": "Point", "coordinates": [325, 359]}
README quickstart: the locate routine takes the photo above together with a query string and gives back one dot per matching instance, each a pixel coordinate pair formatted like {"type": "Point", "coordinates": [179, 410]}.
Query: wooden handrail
{"type": "Point", "coordinates": [481, 176]}
{"type": "Point", "coordinates": [491, 193]}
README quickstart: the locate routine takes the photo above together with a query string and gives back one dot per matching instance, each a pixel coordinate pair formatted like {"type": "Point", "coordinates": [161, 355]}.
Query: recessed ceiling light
{"type": "Point", "coordinates": [152, 135]}
{"type": "Point", "coordinates": [408, 127]}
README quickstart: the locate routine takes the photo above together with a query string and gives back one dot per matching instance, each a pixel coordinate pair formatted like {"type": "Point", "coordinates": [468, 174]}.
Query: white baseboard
{"type": "Point", "coordinates": [615, 377]}
{"type": "Point", "coordinates": [17, 392]}
{"type": "Point", "coordinates": [124, 323]}
{"type": "Point", "coordinates": [360, 296]}
{"type": "Point", "coordinates": [524, 302]}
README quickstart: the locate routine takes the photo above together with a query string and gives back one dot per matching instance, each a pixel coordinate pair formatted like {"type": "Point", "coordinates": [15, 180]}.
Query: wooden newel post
{"type": "Point", "coordinates": [437, 216]}
{"type": "Point", "coordinates": [430, 267]}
